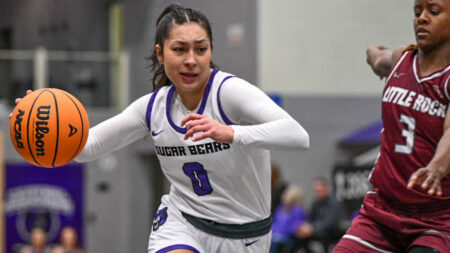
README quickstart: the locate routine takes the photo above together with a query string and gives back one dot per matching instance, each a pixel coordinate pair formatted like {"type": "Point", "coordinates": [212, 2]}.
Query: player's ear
{"type": "Point", "coordinates": [159, 53]}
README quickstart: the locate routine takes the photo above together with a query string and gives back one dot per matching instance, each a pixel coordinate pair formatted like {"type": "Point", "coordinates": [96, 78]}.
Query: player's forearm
{"type": "Point", "coordinates": [380, 60]}
{"type": "Point", "coordinates": [111, 135]}
{"type": "Point", "coordinates": [441, 159]}
{"type": "Point", "coordinates": [279, 134]}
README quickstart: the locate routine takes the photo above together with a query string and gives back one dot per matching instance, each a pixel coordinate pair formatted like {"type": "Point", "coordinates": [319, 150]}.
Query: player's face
{"type": "Point", "coordinates": [432, 24]}
{"type": "Point", "coordinates": [186, 57]}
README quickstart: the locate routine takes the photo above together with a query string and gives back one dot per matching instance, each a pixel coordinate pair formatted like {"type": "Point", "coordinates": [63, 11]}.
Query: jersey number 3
{"type": "Point", "coordinates": [408, 133]}
{"type": "Point", "coordinates": [199, 177]}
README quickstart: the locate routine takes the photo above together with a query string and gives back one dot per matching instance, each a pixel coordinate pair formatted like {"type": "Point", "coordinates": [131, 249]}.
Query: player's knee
{"type": "Point", "coordinates": [422, 249]}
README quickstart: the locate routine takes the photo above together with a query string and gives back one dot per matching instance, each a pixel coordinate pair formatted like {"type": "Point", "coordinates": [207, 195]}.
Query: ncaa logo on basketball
{"type": "Point", "coordinates": [49, 127]}
{"type": "Point", "coordinates": [43, 115]}
{"type": "Point", "coordinates": [18, 129]}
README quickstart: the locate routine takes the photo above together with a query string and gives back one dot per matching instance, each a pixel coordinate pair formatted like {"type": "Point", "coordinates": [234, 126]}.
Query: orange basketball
{"type": "Point", "coordinates": [49, 127]}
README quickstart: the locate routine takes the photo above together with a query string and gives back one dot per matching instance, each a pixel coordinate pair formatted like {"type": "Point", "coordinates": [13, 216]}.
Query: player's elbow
{"type": "Point", "coordinates": [304, 141]}
{"type": "Point", "coordinates": [381, 68]}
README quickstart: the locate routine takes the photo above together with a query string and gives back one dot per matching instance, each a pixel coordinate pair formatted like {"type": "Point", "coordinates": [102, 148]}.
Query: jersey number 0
{"type": "Point", "coordinates": [199, 177]}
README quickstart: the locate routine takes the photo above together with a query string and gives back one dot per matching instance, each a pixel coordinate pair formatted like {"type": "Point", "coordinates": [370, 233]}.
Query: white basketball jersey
{"type": "Point", "coordinates": [222, 182]}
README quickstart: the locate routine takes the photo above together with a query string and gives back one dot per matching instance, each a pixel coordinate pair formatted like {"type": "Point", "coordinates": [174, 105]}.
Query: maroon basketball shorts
{"type": "Point", "coordinates": [382, 228]}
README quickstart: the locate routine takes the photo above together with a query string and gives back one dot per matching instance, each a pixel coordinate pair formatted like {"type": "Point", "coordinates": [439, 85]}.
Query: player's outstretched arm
{"type": "Point", "coordinates": [429, 178]}
{"type": "Point", "coordinates": [116, 132]}
{"type": "Point", "coordinates": [382, 60]}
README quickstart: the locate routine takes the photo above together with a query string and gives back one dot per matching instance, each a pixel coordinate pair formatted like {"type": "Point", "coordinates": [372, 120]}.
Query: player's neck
{"type": "Point", "coordinates": [192, 99]}
{"type": "Point", "coordinates": [434, 60]}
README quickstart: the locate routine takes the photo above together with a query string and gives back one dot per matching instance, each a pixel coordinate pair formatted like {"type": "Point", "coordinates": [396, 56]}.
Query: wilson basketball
{"type": "Point", "coordinates": [49, 127]}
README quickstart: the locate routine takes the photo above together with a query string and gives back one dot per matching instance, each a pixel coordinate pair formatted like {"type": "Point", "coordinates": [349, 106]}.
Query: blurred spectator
{"type": "Point", "coordinates": [38, 241]}
{"type": "Point", "coordinates": [324, 219]}
{"type": "Point", "coordinates": [287, 217]}
{"type": "Point", "coordinates": [278, 186]}
{"type": "Point", "coordinates": [68, 242]}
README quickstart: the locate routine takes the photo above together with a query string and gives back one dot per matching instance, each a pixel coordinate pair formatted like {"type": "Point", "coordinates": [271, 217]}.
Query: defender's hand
{"type": "Point", "coordinates": [428, 178]}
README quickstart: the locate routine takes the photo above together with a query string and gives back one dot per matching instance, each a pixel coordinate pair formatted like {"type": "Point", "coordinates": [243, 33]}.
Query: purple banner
{"type": "Point", "coordinates": [49, 198]}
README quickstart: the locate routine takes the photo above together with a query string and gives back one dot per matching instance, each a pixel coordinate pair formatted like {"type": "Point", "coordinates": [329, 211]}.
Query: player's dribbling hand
{"type": "Point", "coordinates": [208, 127]}
{"type": "Point", "coordinates": [18, 100]}
{"type": "Point", "coordinates": [428, 178]}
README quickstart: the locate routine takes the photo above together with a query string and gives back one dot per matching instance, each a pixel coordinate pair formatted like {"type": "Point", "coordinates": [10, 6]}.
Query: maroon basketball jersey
{"type": "Point", "coordinates": [413, 112]}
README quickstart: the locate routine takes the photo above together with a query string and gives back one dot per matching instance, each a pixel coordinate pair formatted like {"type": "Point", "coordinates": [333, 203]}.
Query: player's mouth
{"type": "Point", "coordinates": [420, 32]}
{"type": "Point", "coordinates": [189, 76]}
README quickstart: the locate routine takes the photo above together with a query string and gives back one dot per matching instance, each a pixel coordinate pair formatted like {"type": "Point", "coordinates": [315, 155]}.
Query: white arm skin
{"type": "Point", "coordinates": [116, 132]}
{"type": "Point", "coordinates": [259, 121]}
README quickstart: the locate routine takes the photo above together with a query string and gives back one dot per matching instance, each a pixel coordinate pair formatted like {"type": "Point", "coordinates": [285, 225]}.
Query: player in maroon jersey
{"type": "Point", "coordinates": [409, 208]}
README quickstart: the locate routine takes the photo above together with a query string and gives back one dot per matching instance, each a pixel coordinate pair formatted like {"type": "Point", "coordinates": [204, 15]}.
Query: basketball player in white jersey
{"type": "Point", "coordinates": [212, 132]}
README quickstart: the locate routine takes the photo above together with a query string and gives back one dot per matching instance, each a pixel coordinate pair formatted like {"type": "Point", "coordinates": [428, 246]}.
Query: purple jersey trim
{"type": "Point", "coordinates": [183, 130]}
{"type": "Point", "coordinates": [148, 115]}
{"type": "Point", "coordinates": [222, 113]}
{"type": "Point", "coordinates": [177, 246]}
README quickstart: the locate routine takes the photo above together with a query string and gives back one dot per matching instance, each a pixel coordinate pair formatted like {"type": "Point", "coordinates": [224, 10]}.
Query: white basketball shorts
{"type": "Point", "coordinates": [171, 231]}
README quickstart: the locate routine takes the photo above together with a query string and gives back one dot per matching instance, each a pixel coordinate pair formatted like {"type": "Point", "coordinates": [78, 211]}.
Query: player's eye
{"type": "Point", "coordinates": [417, 12]}
{"type": "Point", "coordinates": [434, 12]}
{"type": "Point", "coordinates": [178, 49]}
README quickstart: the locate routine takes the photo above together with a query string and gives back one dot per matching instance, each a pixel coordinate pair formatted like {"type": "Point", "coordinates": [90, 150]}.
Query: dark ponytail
{"type": "Point", "coordinates": [173, 14]}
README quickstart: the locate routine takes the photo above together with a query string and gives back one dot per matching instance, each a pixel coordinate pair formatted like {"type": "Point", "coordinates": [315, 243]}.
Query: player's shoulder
{"type": "Point", "coordinates": [222, 77]}
{"type": "Point", "coordinates": [402, 51]}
